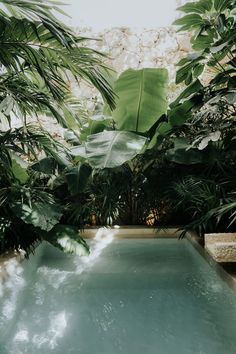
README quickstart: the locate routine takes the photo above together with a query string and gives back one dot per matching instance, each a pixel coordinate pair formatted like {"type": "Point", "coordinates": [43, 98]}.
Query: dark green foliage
{"type": "Point", "coordinates": [185, 174]}
{"type": "Point", "coordinates": [119, 135]}
{"type": "Point", "coordinates": [205, 138]}
{"type": "Point", "coordinates": [209, 204]}
{"type": "Point", "coordinates": [38, 52]}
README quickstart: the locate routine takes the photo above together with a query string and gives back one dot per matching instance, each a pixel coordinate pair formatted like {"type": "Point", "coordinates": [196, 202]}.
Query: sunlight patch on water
{"type": "Point", "coordinates": [44, 341]}
{"type": "Point", "coordinates": [102, 239]}
{"type": "Point", "coordinates": [55, 277]}
{"type": "Point", "coordinates": [47, 277]}
{"type": "Point", "coordinates": [10, 288]}
{"type": "Point", "coordinates": [22, 336]}
{"type": "Point", "coordinates": [58, 324]}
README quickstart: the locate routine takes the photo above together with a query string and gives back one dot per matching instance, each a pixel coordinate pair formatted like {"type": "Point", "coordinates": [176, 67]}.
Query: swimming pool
{"type": "Point", "coordinates": [131, 296]}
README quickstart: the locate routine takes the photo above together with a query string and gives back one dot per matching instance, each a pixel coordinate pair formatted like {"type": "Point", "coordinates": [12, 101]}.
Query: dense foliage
{"type": "Point", "coordinates": [207, 109]}
{"type": "Point", "coordinates": [186, 172]}
{"type": "Point", "coordinates": [136, 159]}
{"type": "Point", "coordinates": [37, 54]}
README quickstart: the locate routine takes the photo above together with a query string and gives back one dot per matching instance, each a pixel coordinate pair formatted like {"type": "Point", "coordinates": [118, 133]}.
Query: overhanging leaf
{"type": "Point", "coordinates": [192, 7]}
{"type": "Point", "coordinates": [67, 239]}
{"type": "Point", "coordinates": [41, 215]}
{"type": "Point", "coordinates": [112, 148]}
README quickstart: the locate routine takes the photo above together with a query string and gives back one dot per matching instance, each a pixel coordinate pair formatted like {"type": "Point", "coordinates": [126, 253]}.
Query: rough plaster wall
{"type": "Point", "coordinates": [132, 48]}
{"type": "Point", "coordinates": [128, 48]}
{"type": "Point", "coordinates": [135, 48]}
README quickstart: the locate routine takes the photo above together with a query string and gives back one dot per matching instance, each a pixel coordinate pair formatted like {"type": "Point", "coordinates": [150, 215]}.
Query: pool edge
{"type": "Point", "coordinates": [194, 240]}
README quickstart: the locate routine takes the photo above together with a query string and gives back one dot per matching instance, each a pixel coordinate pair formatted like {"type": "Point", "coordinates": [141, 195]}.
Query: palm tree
{"type": "Point", "coordinates": [38, 54]}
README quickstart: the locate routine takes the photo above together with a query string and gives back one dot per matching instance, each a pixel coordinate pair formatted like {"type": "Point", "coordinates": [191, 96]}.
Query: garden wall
{"type": "Point", "coordinates": [130, 48]}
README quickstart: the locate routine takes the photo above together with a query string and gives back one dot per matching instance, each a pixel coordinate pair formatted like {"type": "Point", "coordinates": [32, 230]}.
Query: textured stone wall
{"type": "Point", "coordinates": [132, 48]}
{"type": "Point", "coordinates": [221, 246]}
{"type": "Point", "coordinates": [127, 48]}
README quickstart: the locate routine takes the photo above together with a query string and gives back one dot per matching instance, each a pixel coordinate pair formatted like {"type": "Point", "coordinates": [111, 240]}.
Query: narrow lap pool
{"type": "Point", "coordinates": [132, 296]}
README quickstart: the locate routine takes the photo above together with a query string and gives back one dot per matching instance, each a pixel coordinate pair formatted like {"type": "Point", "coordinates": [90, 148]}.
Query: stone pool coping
{"type": "Point", "coordinates": [133, 232]}
{"type": "Point", "coordinates": [228, 276]}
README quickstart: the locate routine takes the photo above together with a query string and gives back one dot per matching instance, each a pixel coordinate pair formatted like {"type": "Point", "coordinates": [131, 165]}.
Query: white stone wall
{"type": "Point", "coordinates": [133, 48]}
{"type": "Point", "coordinates": [130, 48]}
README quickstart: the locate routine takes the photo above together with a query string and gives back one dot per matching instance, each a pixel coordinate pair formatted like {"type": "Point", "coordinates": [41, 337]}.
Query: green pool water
{"type": "Point", "coordinates": [131, 296]}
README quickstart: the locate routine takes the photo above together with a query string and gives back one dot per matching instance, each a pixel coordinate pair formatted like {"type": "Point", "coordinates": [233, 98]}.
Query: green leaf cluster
{"type": "Point", "coordinates": [38, 54]}
{"type": "Point", "coordinates": [141, 101]}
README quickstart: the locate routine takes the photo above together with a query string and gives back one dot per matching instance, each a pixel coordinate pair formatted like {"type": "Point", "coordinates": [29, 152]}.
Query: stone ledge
{"type": "Point", "coordinates": [222, 247]}
{"type": "Point", "coordinates": [132, 232]}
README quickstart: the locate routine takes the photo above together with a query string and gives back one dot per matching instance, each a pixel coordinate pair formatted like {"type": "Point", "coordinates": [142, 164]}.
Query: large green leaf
{"type": "Point", "coordinates": [196, 7]}
{"type": "Point", "coordinates": [141, 99]}
{"type": "Point", "coordinates": [46, 165]}
{"type": "Point", "coordinates": [77, 178]}
{"type": "Point", "coordinates": [112, 148]}
{"type": "Point", "coordinates": [221, 5]}
{"type": "Point", "coordinates": [183, 154]}
{"type": "Point", "coordinates": [39, 214]}
{"type": "Point", "coordinates": [19, 168]}
{"type": "Point", "coordinates": [162, 130]}
{"type": "Point", "coordinates": [189, 22]}
{"type": "Point", "coordinates": [67, 238]}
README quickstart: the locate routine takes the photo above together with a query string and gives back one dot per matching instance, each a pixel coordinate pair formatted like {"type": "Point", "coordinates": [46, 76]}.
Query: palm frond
{"type": "Point", "coordinates": [30, 45]}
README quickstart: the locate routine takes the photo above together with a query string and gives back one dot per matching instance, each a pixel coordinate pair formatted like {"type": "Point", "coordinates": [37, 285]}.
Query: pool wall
{"type": "Point", "coordinates": [133, 232]}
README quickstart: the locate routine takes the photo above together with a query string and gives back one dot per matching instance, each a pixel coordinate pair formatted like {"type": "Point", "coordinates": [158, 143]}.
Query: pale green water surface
{"type": "Point", "coordinates": [131, 296]}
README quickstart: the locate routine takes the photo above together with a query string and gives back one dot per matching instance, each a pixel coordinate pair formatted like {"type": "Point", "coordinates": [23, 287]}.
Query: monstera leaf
{"type": "Point", "coordinates": [141, 99]}
{"type": "Point", "coordinates": [112, 148]}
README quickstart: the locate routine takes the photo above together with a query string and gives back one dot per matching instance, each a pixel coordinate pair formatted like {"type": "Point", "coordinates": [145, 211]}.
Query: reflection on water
{"type": "Point", "coordinates": [102, 239]}
{"type": "Point", "coordinates": [46, 276]}
{"type": "Point", "coordinates": [48, 338]}
{"type": "Point", "coordinates": [10, 288]}
{"type": "Point", "coordinates": [55, 331]}
{"type": "Point", "coordinates": [127, 296]}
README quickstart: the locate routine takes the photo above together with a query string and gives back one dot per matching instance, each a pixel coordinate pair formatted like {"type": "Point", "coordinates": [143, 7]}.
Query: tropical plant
{"type": "Point", "coordinates": [203, 118]}
{"type": "Point", "coordinates": [192, 145]}
{"type": "Point", "coordinates": [113, 143]}
{"type": "Point", "coordinates": [212, 26]}
{"type": "Point", "coordinates": [38, 53]}
{"type": "Point", "coordinates": [141, 101]}
{"type": "Point", "coordinates": [209, 204]}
